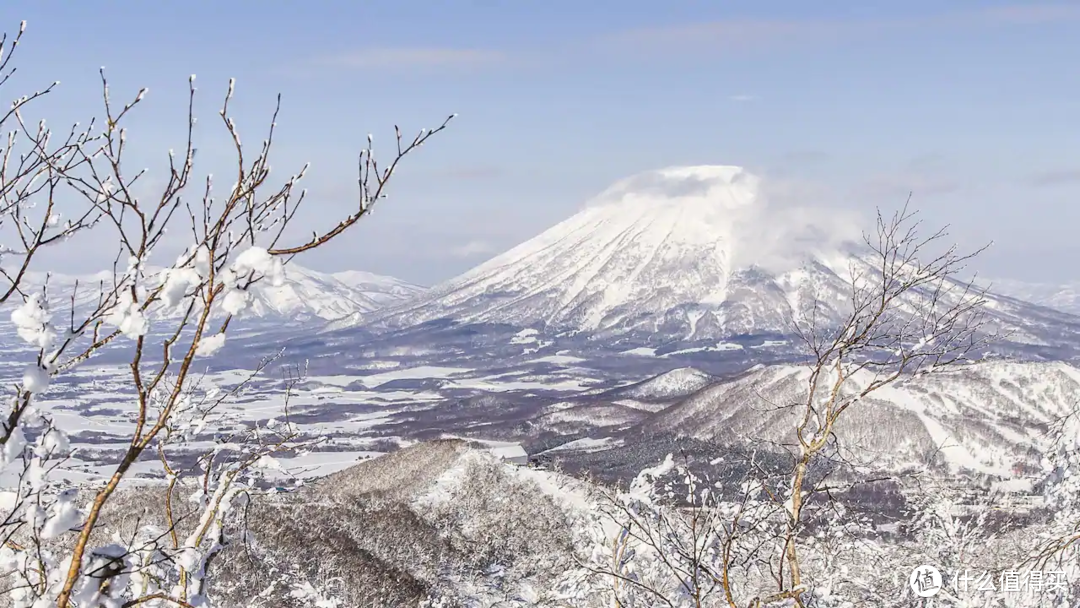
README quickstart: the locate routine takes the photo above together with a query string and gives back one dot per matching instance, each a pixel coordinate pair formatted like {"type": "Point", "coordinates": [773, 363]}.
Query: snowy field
{"type": "Point", "coordinates": [356, 416]}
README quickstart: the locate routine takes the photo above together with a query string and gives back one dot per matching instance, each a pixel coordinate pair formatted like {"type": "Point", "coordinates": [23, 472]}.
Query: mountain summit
{"type": "Point", "coordinates": [684, 249]}
{"type": "Point", "coordinates": [675, 255]}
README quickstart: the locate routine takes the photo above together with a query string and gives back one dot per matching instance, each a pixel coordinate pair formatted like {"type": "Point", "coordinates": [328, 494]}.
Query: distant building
{"type": "Point", "coordinates": [510, 452]}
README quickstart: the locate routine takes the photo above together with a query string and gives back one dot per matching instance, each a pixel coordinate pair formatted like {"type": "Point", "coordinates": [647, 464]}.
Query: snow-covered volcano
{"type": "Point", "coordinates": [679, 254]}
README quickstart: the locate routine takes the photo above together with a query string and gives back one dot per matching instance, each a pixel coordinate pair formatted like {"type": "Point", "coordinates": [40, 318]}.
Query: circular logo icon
{"type": "Point", "coordinates": [925, 581]}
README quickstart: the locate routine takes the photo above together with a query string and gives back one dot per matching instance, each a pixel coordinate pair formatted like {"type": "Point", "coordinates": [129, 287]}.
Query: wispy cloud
{"type": "Point", "coordinates": [412, 57]}
{"type": "Point", "coordinates": [719, 36]}
{"type": "Point", "coordinates": [1031, 14]}
{"type": "Point", "coordinates": [1055, 178]}
{"type": "Point", "coordinates": [899, 185]}
{"type": "Point", "coordinates": [734, 34]}
{"type": "Point", "coordinates": [748, 34]}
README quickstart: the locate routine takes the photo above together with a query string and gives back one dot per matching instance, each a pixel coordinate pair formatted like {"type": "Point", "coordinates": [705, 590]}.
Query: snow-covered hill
{"type": "Point", "coordinates": [674, 383]}
{"type": "Point", "coordinates": [305, 294]}
{"type": "Point", "coordinates": [680, 255]}
{"type": "Point", "coordinates": [984, 417]}
{"type": "Point", "coordinates": [1064, 297]}
{"type": "Point", "coordinates": [308, 293]}
{"type": "Point", "coordinates": [380, 289]}
{"type": "Point", "coordinates": [424, 522]}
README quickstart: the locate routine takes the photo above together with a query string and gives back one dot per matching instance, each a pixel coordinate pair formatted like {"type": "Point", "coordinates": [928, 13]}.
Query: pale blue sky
{"type": "Point", "coordinates": [973, 105]}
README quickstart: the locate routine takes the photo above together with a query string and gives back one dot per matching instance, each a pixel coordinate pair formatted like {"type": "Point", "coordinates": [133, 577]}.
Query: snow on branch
{"type": "Point", "coordinates": [167, 318]}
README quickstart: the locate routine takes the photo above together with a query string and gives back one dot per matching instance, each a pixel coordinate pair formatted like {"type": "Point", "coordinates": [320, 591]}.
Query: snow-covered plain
{"type": "Point", "coordinates": [353, 412]}
{"type": "Point", "coordinates": [982, 419]}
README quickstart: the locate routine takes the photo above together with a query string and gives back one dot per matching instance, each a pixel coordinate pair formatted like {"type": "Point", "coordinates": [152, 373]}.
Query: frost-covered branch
{"type": "Point", "coordinates": [169, 316]}
{"type": "Point", "coordinates": [911, 314]}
